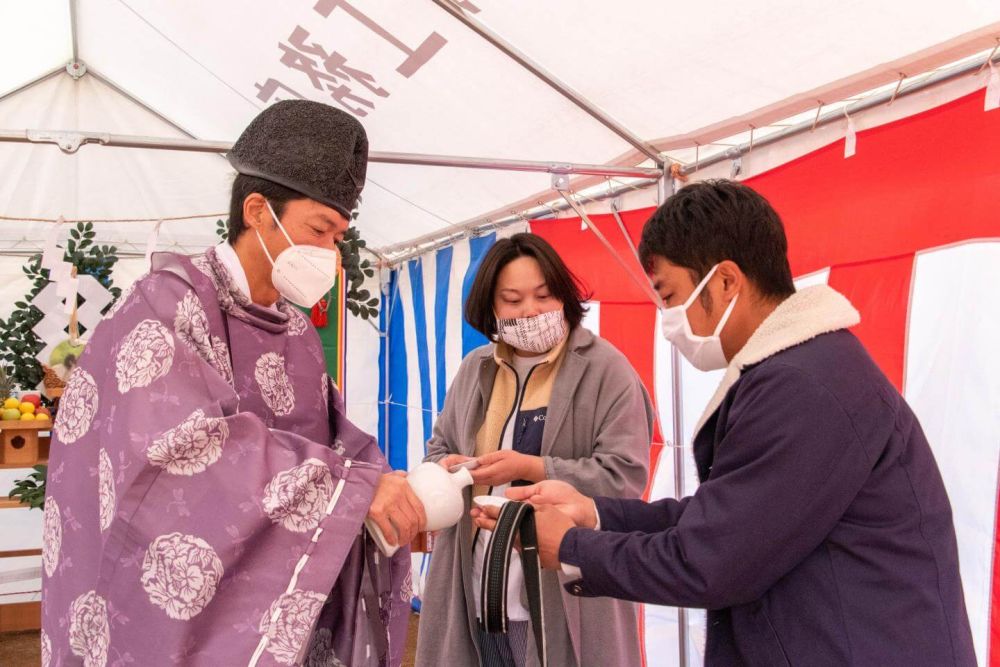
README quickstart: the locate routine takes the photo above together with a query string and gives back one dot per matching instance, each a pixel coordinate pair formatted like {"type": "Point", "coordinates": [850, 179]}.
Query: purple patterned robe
{"type": "Point", "coordinates": [206, 492]}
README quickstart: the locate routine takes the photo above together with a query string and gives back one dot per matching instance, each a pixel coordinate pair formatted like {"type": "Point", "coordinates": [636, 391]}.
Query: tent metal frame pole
{"type": "Point", "coordinates": [434, 241]}
{"type": "Point", "coordinates": [552, 81]}
{"type": "Point", "coordinates": [664, 188]}
{"type": "Point", "coordinates": [479, 226]}
{"type": "Point", "coordinates": [877, 100]}
{"type": "Point", "coordinates": [440, 239]}
{"type": "Point", "coordinates": [71, 141]}
{"type": "Point", "coordinates": [74, 29]}
{"type": "Point", "coordinates": [133, 98]}
{"type": "Point", "coordinates": [640, 280]}
{"type": "Point", "coordinates": [56, 71]}
{"type": "Point", "coordinates": [513, 165]}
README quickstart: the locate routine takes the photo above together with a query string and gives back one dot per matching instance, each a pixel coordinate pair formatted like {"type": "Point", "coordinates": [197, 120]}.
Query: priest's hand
{"type": "Point", "coordinates": [561, 496]}
{"type": "Point", "coordinates": [551, 527]}
{"type": "Point", "coordinates": [506, 466]}
{"type": "Point", "coordinates": [396, 510]}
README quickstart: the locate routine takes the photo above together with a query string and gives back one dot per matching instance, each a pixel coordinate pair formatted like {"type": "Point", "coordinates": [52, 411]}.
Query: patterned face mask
{"type": "Point", "coordinates": [537, 334]}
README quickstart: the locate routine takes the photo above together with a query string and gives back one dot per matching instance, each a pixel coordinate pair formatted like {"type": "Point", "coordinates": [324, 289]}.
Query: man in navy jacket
{"type": "Point", "coordinates": [821, 533]}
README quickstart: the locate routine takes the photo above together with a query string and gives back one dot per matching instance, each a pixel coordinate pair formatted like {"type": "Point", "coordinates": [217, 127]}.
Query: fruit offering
{"type": "Point", "coordinates": [26, 408]}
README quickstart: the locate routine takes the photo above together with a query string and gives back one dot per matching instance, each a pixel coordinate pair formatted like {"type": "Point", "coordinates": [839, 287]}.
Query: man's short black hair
{"type": "Point", "coordinates": [243, 187]}
{"type": "Point", "coordinates": [562, 284]}
{"type": "Point", "coordinates": [711, 221]}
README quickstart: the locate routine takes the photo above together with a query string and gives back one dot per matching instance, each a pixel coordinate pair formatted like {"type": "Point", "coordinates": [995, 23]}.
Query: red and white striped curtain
{"type": "Point", "coordinates": [909, 230]}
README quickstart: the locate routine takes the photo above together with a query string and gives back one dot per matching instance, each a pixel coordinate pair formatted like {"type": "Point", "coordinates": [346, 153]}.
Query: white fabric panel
{"type": "Point", "coordinates": [662, 641]}
{"type": "Point", "coordinates": [23, 587]}
{"type": "Point", "coordinates": [14, 285]}
{"type": "Point", "coordinates": [821, 277]}
{"type": "Point", "coordinates": [127, 270]}
{"type": "Point", "coordinates": [361, 367]}
{"type": "Point", "coordinates": [19, 529]}
{"type": "Point", "coordinates": [592, 318]}
{"type": "Point", "coordinates": [953, 384]}
{"type": "Point", "coordinates": [22, 527]}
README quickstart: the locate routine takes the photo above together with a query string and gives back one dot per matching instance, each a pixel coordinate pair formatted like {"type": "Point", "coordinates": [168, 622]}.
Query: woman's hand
{"type": "Point", "coordinates": [453, 459]}
{"type": "Point", "coordinates": [506, 466]}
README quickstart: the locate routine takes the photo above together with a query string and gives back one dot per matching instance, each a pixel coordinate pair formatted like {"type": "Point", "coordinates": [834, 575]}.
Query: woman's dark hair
{"type": "Point", "coordinates": [243, 187]}
{"type": "Point", "coordinates": [709, 222]}
{"type": "Point", "coordinates": [562, 284]}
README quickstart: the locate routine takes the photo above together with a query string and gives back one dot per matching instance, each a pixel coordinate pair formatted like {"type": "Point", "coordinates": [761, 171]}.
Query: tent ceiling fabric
{"type": "Point", "coordinates": [423, 83]}
{"type": "Point", "coordinates": [35, 38]}
{"type": "Point", "coordinates": [39, 181]}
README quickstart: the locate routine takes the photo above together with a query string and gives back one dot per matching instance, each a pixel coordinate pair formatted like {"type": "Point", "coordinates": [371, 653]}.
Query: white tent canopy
{"type": "Point", "coordinates": [642, 84]}
{"type": "Point", "coordinates": [560, 82]}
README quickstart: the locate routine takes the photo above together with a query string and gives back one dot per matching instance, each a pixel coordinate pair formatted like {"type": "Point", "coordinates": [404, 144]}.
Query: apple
{"type": "Point", "coordinates": [41, 416]}
{"type": "Point", "coordinates": [11, 403]}
{"type": "Point", "coordinates": [34, 399]}
{"type": "Point", "coordinates": [43, 411]}
{"type": "Point", "coordinates": [10, 414]}
{"type": "Point", "coordinates": [27, 417]}
{"type": "Point", "coordinates": [27, 408]}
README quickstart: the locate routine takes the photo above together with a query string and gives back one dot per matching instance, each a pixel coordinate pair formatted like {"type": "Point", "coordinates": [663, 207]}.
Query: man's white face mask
{"type": "Point", "coordinates": [704, 352]}
{"type": "Point", "coordinates": [303, 274]}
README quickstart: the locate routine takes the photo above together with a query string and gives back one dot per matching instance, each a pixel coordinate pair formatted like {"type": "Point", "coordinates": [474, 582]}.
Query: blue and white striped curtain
{"type": "Point", "coordinates": [424, 340]}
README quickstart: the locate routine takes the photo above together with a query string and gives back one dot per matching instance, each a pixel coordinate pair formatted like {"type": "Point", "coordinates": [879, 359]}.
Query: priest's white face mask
{"type": "Point", "coordinates": [303, 274]}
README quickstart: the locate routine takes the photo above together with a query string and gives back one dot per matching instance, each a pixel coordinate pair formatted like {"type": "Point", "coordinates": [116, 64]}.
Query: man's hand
{"type": "Point", "coordinates": [506, 466]}
{"type": "Point", "coordinates": [551, 526]}
{"type": "Point", "coordinates": [453, 459]}
{"type": "Point", "coordinates": [396, 510]}
{"type": "Point", "coordinates": [560, 496]}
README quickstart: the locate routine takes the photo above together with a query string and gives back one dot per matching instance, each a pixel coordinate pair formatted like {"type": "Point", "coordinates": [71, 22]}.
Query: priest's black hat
{"type": "Point", "coordinates": [310, 147]}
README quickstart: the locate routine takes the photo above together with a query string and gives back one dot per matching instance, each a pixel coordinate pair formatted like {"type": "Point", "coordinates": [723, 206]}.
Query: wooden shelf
{"type": "Point", "coordinates": [20, 553]}
{"type": "Point", "coordinates": [8, 504]}
{"type": "Point", "coordinates": [28, 425]}
{"type": "Point", "coordinates": [20, 616]}
{"type": "Point", "coordinates": [26, 466]}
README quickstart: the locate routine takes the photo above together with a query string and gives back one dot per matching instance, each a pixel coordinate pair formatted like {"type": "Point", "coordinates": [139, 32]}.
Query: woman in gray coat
{"type": "Point", "coordinates": [546, 400]}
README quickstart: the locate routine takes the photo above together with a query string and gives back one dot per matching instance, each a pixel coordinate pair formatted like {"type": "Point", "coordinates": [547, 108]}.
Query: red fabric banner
{"type": "Point", "coordinates": [880, 290]}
